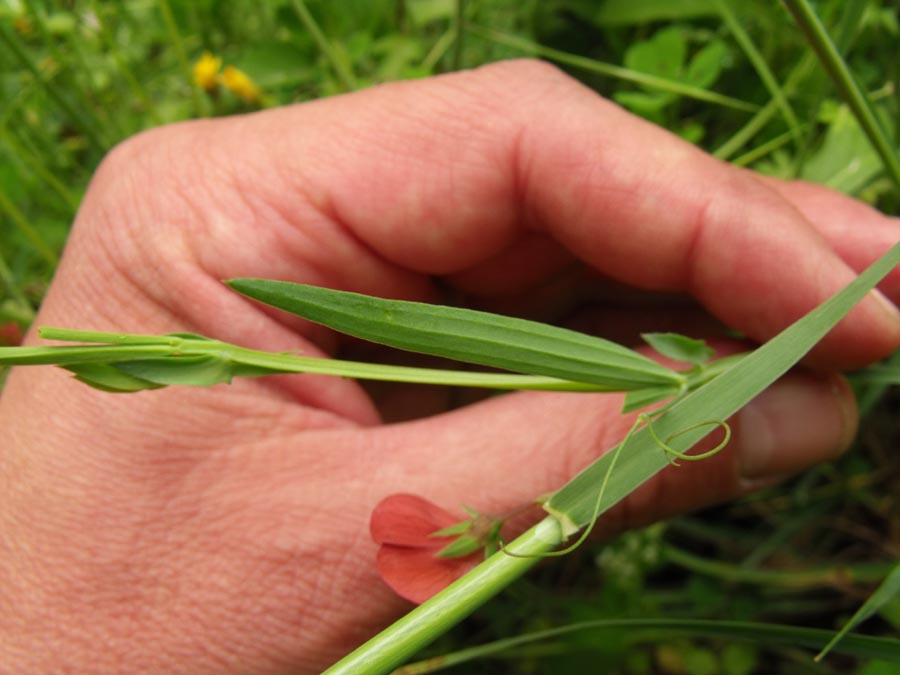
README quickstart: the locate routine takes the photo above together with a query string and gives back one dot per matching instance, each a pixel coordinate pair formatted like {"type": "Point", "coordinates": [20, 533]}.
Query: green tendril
{"type": "Point", "coordinates": [596, 513]}
{"type": "Point", "coordinates": [671, 453]}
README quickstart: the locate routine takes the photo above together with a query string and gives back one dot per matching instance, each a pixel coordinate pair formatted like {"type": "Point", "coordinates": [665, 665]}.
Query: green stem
{"type": "Point", "coordinates": [819, 39]}
{"type": "Point", "coordinates": [653, 629]}
{"type": "Point", "coordinates": [181, 52]}
{"type": "Point", "coordinates": [17, 307]}
{"type": "Point", "coordinates": [611, 70]}
{"type": "Point", "coordinates": [344, 75]}
{"type": "Point", "coordinates": [28, 230]}
{"type": "Point", "coordinates": [437, 51]}
{"type": "Point", "coordinates": [82, 120]}
{"type": "Point", "coordinates": [768, 147]}
{"type": "Point", "coordinates": [795, 579]}
{"type": "Point", "coordinates": [459, 34]}
{"type": "Point", "coordinates": [766, 113]}
{"type": "Point", "coordinates": [404, 638]}
{"type": "Point", "coordinates": [121, 348]}
{"type": "Point", "coordinates": [758, 62]}
{"type": "Point", "coordinates": [37, 165]}
{"type": "Point", "coordinates": [113, 48]}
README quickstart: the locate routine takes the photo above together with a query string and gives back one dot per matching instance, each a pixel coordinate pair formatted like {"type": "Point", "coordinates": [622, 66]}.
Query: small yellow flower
{"type": "Point", "coordinates": [206, 71]}
{"type": "Point", "coordinates": [241, 85]}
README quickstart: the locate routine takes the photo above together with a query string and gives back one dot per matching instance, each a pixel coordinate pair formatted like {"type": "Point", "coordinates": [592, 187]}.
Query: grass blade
{"type": "Point", "coordinates": [758, 62]}
{"type": "Point", "coordinates": [181, 52]}
{"type": "Point", "coordinates": [341, 69]}
{"type": "Point", "coordinates": [829, 56]}
{"type": "Point", "coordinates": [576, 503]}
{"type": "Point", "coordinates": [466, 335]}
{"type": "Point", "coordinates": [886, 592]}
{"type": "Point", "coordinates": [29, 231]}
{"type": "Point", "coordinates": [611, 70]}
{"type": "Point", "coordinates": [644, 630]}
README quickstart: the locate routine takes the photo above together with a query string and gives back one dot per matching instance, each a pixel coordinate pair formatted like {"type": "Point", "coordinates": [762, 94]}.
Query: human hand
{"type": "Point", "coordinates": [227, 529]}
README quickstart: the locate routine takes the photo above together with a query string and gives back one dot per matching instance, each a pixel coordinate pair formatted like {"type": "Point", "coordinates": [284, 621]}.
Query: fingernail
{"type": "Point", "coordinates": [889, 307]}
{"type": "Point", "coordinates": [800, 420]}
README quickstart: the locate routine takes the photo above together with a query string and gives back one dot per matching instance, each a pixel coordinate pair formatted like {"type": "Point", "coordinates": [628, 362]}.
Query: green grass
{"type": "Point", "coordinates": [741, 83]}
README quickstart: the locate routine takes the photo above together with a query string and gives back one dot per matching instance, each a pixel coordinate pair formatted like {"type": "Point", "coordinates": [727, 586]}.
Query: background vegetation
{"type": "Point", "coordinates": [734, 77]}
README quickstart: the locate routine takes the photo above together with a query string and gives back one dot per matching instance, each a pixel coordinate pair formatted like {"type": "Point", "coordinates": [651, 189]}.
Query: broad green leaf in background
{"type": "Point", "coordinates": [626, 12]}
{"type": "Point", "coordinates": [424, 12]}
{"type": "Point", "coordinates": [665, 55]}
{"type": "Point", "coordinates": [275, 64]}
{"type": "Point", "coordinates": [846, 160]}
{"type": "Point", "coordinates": [679, 347]}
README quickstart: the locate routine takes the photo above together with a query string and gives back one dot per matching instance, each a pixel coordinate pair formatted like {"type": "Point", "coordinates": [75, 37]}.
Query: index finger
{"type": "Point", "coordinates": [438, 176]}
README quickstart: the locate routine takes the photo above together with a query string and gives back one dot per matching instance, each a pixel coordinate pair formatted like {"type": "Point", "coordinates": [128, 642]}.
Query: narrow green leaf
{"type": "Point", "coordinates": [629, 12]}
{"type": "Point", "coordinates": [461, 547]}
{"type": "Point", "coordinates": [202, 370]}
{"type": "Point", "coordinates": [886, 592]}
{"type": "Point", "coordinates": [844, 81]}
{"type": "Point", "coordinates": [459, 528]}
{"type": "Point", "coordinates": [110, 379]}
{"type": "Point", "coordinates": [645, 630]}
{"type": "Point", "coordinates": [758, 61]}
{"type": "Point", "coordinates": [611, 70]}
{"type": "Point", "coordinates": [679, 347]}
{"type": "Point", "coordinates": [575, 504]}
{"type": "Point", "coordinates": [466, 335]}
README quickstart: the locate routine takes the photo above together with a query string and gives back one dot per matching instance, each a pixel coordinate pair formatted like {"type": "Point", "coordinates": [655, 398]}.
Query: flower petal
{"type": "Point", "coordinates": [416, 574]}
{"type": "Point", "coordinates": [10, 334]}
{"type": "Point", "coordinates": [408, 520]}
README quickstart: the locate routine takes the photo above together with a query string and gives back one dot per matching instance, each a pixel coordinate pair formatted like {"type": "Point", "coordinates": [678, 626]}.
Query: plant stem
{"type": "Point", "coordinates": [28, 230]}
{"type": "Point", "coordinates": [820, 41]}
{"type": "Point", "coordinates": [611, 70]}
{"type": "Point", "coordinates": [178, 45]}
{"type": "Point", "coordinates": [344, 75]}
{"type": "Point", "coordinates": [796, 579]}
{"type": "Point", "coordinates": [84, 121]}
{"type": "Point", "coordinates": [459, 34]}
{"type": "Point", "coordinates": [34, 161]}
{"type": "Point", "coordinates": [17, 307]}
{"type": "Point", "coordinates": [112, 46]}
{"type": "Point", "coordinates": [393, 646]}
{"type": "Point", "coordinates": [120, 348]}
{"type": "Point", "coordinates": [437, 51]}
{"type": "Point", "coordinates": [758, 62]}
{"type": "Point", "coordinates": [768, 147]}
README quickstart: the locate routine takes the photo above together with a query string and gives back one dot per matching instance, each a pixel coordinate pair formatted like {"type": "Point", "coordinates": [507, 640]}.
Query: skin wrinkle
{"type": "Point", "coordinates": [692, 247]}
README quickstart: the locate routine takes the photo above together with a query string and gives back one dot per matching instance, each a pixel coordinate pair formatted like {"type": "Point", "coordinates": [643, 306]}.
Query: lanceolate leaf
{"type": "Point", "coordinates": [466, 335]}
{"type": "Point", "coordinates": [679, 347]}
{"type": "Point", "coordinates": [106, 377]}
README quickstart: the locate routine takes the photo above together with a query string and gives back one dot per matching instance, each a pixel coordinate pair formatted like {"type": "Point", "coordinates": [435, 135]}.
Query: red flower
{"type": "Point", "coordinates": [10, 334]}
{"type": "Point", "coordinates": [408, 559]}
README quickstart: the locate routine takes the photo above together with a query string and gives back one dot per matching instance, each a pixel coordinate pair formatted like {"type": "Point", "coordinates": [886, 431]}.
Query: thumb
{"type": "Point", "coordinates": [502, 453]}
